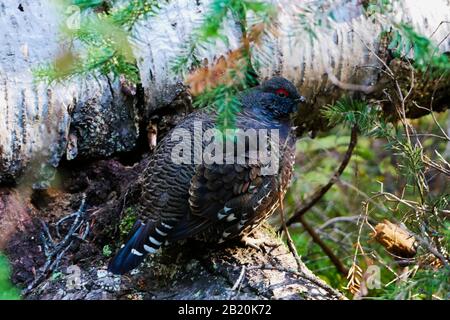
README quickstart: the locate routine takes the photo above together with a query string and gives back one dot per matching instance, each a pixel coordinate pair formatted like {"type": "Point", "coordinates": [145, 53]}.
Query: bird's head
{"type": "Point", "coordinates": [277, 98]}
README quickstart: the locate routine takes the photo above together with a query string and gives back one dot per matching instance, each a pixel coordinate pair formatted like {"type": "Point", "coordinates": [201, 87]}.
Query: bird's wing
{"type": "Point", "coordinates": [236, 196]}
{"type": "Point", "coordinates": [223, 193]}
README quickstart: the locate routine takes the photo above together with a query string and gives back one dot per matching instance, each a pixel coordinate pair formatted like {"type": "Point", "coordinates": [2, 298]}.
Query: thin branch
{"type": "Point", "coordinates": [437, 28]}
{"type": "Point", "coordinates": [301, 269]}
{"type": "Point", "coordinates": [316, 238]}
{"type": "Point", "coordinates": [352, 219]}
{"type": "Point", "coordinates": [350, 86]}
{"type": "Point", "coordinates": [301, 274]}
{"type": "Point", "coordinates": [365, 195]}
{"type": "Point", "coordinates": [430, 110]}
{"type": "Point", "coordinates": [290, 243]}
{"type": "Point", "coordinates": [289, 240]}
{"type": "Point", "coordinates": [238, 284]}
{"type": "Point", "coordinates": [387, 69]}
{"type": "Point", "coordinates": [321, 192]}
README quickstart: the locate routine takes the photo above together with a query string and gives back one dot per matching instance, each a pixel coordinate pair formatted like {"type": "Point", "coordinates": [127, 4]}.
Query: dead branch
{"type": "Point", "coordinates": [56, 251]}
{"type": "Point", "coordinates": [395, 239]}
{"type": "Point", "coordinates": [351, 86]}
{"type": "Point", "coordinates": [321, 192]}
{"type": "Point", "coordinates": [326, 249]}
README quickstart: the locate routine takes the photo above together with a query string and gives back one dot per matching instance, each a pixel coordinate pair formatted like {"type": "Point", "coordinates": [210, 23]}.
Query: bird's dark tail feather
{"type": "Point", "coordinates": [132, 253]}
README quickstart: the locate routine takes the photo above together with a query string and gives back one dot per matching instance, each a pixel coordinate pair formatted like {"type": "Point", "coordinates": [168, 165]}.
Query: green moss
{"type": "Point", "coordinates": [56, 276]}
{"type": "Point", "coordinates": [7, 290]}
{"type": "Point", "coordinates": [107, 251]}
{"type": "Point", "coordinates": [127, 222]}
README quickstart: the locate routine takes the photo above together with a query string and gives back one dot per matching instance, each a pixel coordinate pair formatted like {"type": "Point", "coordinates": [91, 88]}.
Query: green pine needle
{"type": "Point", "coordinates": [351, 112]}
{"type": "Point", "coordinates": [425, 54]}
{"type": "Point", "coordinates": [105, 46]}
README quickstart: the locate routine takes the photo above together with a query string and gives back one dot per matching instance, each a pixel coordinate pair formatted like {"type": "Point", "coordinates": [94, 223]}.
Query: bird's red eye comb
{"type": "Point", "coordinates": [282, 92]}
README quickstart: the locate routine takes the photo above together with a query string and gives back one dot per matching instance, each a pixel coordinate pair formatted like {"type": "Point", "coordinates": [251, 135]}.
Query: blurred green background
{"type": "Point", "coordinates": [7, 290]}
{"type": "Point", "coordinates": [335, 217]}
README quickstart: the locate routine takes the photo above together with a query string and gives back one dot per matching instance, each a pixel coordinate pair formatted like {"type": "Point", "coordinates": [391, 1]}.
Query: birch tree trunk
{"type": "Point", "coordinates": [95, 119]}
{"type": "Point", "coordinates": [36, 119]}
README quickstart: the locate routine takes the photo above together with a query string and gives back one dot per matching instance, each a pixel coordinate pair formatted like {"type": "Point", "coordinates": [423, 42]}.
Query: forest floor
{"type": "Point", "coordinates": [64, 244]}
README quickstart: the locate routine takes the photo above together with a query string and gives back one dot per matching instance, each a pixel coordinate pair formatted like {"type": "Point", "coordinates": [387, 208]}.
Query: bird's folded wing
{"type": "Point", "coordinates": [220, 192]}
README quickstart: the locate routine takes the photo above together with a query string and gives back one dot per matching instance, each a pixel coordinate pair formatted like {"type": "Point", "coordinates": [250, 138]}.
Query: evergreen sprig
{"type": "Point", "coordinates": [133, 11]}
{"type": "Point", "coordinates": [426, 55]}
{"type": "Point", "coordinates": [211, 29]}
{"type": "Point", "coordinates": [223, 97]}
{"type": "Point", "coordinates": [105, 48]}
{"type": "Point", "coordinates": [87, 4]}
{"type": "Point", "coordinates": [350, 112]}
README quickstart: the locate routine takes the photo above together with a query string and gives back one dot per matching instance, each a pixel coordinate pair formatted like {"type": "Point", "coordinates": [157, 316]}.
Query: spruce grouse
{"type": "Point", "coordinates": [216, 198]}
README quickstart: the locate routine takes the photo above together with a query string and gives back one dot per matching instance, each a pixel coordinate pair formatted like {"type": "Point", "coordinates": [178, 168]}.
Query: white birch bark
{"type": "Point", "coordinates": [35, 119]}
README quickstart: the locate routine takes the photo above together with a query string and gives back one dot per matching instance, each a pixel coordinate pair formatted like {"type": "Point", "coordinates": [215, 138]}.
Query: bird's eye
{"type": "Point", "coordinates": [282, 93]}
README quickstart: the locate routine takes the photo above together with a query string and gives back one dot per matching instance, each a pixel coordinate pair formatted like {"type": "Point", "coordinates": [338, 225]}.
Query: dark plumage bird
{"type": "Point", "coordinates": [214, 201]}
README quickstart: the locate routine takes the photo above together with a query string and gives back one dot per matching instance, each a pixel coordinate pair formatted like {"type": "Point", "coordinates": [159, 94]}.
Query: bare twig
{"type": "Point", "coordinates": [302, 271]}
{"type": "Point", "coordinates": [56, 251]}
{"type": "Point", "coordinates": [430, 110]}
{"type": "Point", "coordinates": [350, 86]}
{"type": "Point", "coordinates": [238, 284]}
{"type": "Point", "coordinates": [301, 274]}
{"type": "Point", "coordinates": [387, 69]}
{"type": "Point", "coordinates": [365, 195]}
{"type": "Point", "coordinates": [355, 272]}
{"type": "Point", "coordinates": [289, 240]}
{"type": "Point", "coordinates": [352, 219]}
{"type": "Point", "coordinates": [321, 192]}
{"type": "Point", "coordinates": [290, 243]}
{"type": "Point", "coordinates": [239, 279]}
{"type": "Point", "coordinates": [437, 28]}
{"type": "Point", "coordinates": [316, 238]}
